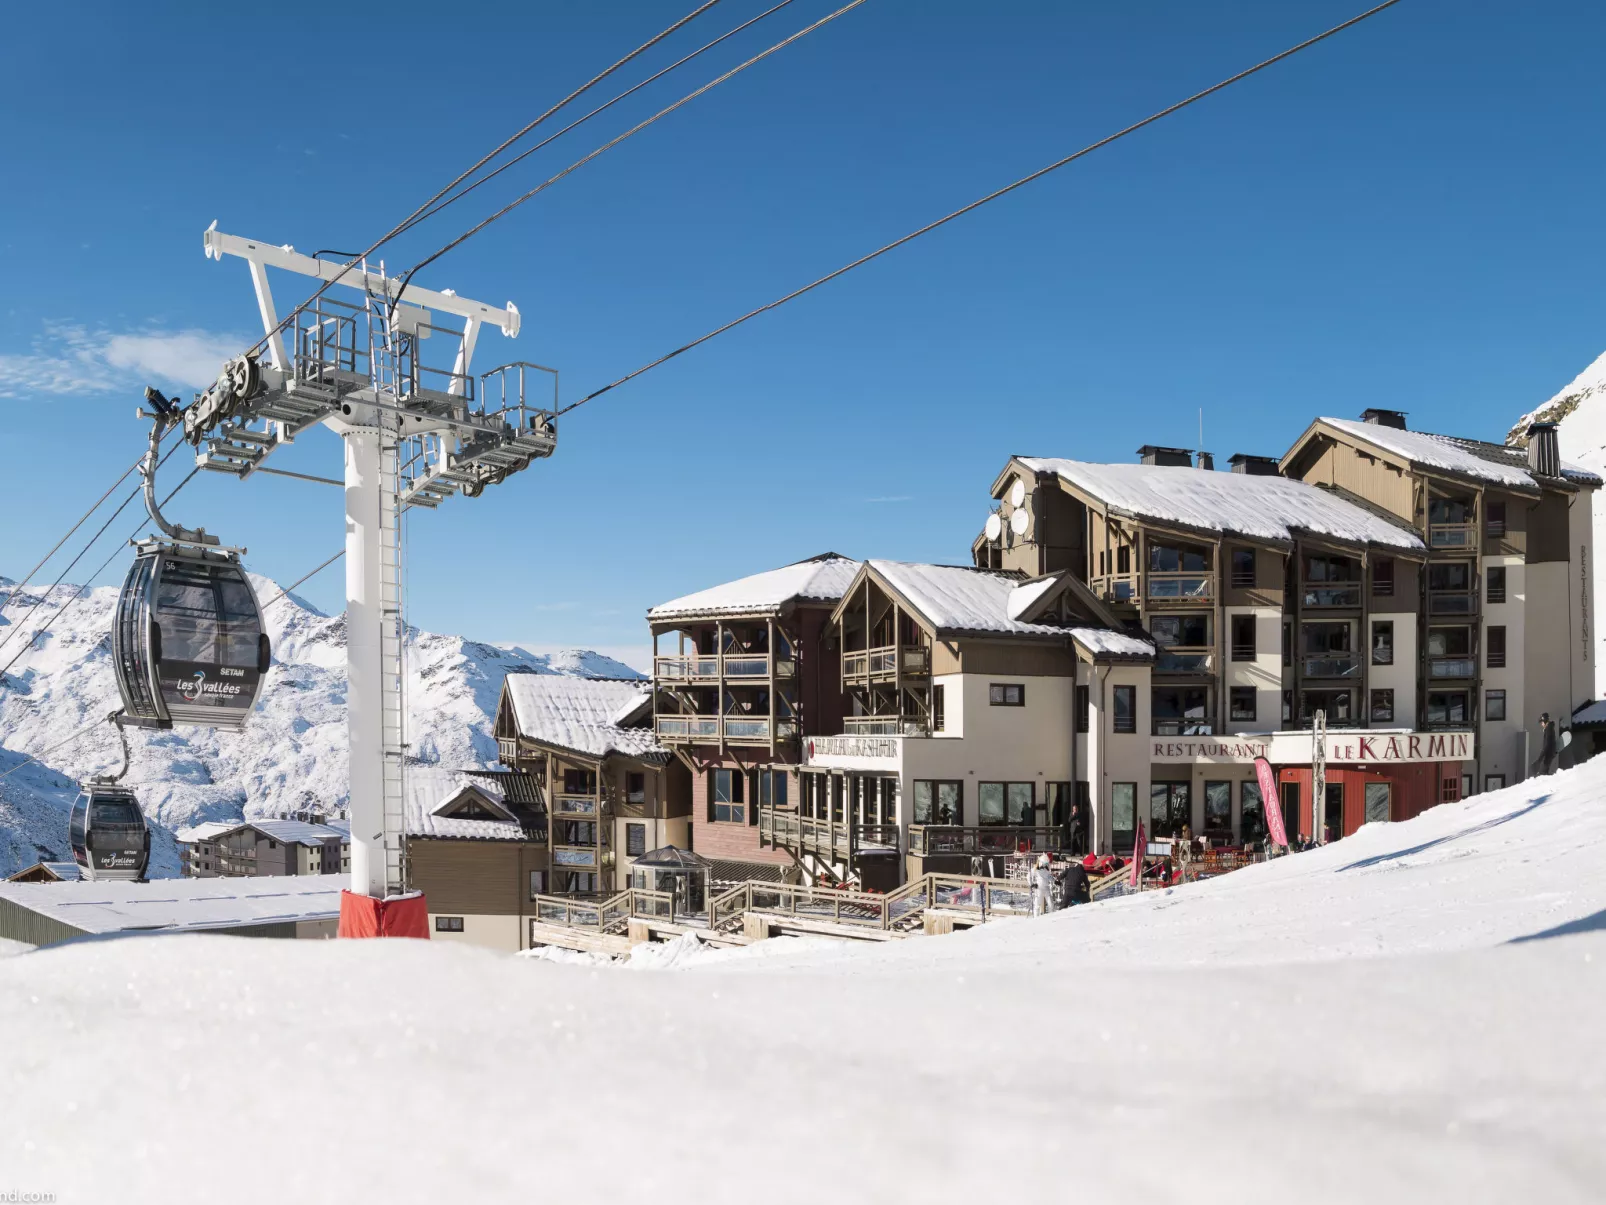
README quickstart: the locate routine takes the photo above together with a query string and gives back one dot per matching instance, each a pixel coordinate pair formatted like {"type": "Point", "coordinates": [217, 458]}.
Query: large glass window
{"type": "Point", "coordinates": [1333, 811]}
{"type": "Point", "coordinates": [1495, 646]}
{"type": "Point", "coordinates": [1023, 803]}
{"type": "Point", "coordinates": [1338, 704]}
{"type": "Point", "coordinates": [725, 797]}
{"type": "Point", "coordinates": [1178, 558]}
{"type": "Point", "coordinates": [1450, 652]}
{"type": "Point", "coordinates": [1218, 811]}
{"type": "Point", "coordinates": [1057, 802]}
{"type": "Point", "coordinates": [990, 803]}
{"type": "Point", "coordinates": [635, 840]}
{"type": "Point", "coordinates": [1123, 815]}
{"type": "Point", "coordinates": [1251, 813]}
{"type": "Point", "coordinates": [1494, 705]}
{"type": "Point", "coordinates": [1181, 710]}
{"type": "Point", "coordinates": [1170, 807]}
{"type": "Point", "coordinates": [1329, 650]}
{"type": "Point", "coordinates": [1186, 631]}
{"type": "Point", "coordinates": [1011, 803]}
{"type": "Point", "coordinates": [1332, 581]}
{"type": "Point", "coordinates": [1447, 707]}
{"type": "Point", "coordinates": [1449, 588]}
{"type": "Point", "coordinates": [579, 782]}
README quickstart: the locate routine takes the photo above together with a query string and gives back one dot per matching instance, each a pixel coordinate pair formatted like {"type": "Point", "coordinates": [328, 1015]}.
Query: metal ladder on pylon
{"type": "Point", "coordinates": [393, 635]}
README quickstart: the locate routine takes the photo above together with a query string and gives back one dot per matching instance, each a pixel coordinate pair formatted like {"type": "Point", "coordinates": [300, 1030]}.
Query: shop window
{"type": "Point", "coordinates": [1123, 815]}
{"type": "Point", "coordinates": [1251, 813]}
{"type": "Point", "coordinates": [939, 708]}
{"type": "Point", "coordinates": [1243, 637]}
{"type": "Point", "coordinates": [1243, 568]}
{"type": "Point", "coordinates": [1495, 584]}
{"type": "Point", "coordinates": [448, 924]}
{"type": "Point", "coordinates": [1081, 708]}
{"type": "Point", "coordinates": [635, 840]}
{"type": "Point", "coordinates": [1125, 707]}
{"type": "Point", "coordinates": [1242, 701]}
{"type": "Point", "coordinates": [1006, 694]}
{"type": "Point", "coordinates": [1218, 811]}
{"type": "Point", "coordinates": [1383, 642]}
{"type": "Point", "coordinates": [1494, 705]}
{"type": "Point", "coordinates": [1495, 646]}
{"type": "Point", "coordinates": [1383, 706]}
{"type": "Point", "coordinates": [1170, 808]}
{"type": "Point", "coordinates": [725, 802]}
{"type": "Point", "coordinates": [1333, 811]}
{"type": "Point", "coordinates": [1383, 577]}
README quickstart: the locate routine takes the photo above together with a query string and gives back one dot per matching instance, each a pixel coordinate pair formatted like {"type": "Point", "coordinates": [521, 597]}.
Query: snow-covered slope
{"type": "Point", "coordinates": [1410, 1015]}
{"type": "Point", "coordinates": [292, 755]}
{"type": "Point", "coordinates": [1580, 410]}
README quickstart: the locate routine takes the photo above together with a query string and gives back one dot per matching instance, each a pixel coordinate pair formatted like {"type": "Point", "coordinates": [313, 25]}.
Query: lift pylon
{"type": "Point", "coordinates": [374, 370]}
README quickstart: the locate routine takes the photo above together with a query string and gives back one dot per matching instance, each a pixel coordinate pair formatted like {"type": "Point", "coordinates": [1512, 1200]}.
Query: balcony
{"type": "Point", "coordinates": [711, 729]}
{"type": "Point", "coordinates": [507, 749]}
{"type": "Point", "coordinates": [1459, 536]}
{"type": "Point", "coordinates": [704, 667]}
{"type": "Point", "coordinates": [834, 840]}
{"type": "Point", "coordinates": [1184, 728]}
{"type": "Point", "coordinates": [574, 805]}
{"type": "Point", "coordinates": [1344, 666]}
{"type": "Point", "coordinates": [1347, 594]}
{"type": "Point", "coordinates": [1177, 660]}
{"type": "Point", "coordinates": [928, 839]}
{"type": "Point", "coordinates": [1116, 587]}
{"type": "Point", "coordinates": [584, 856]}
{"type": "Point", "coordinates": [884, 663]}
{"type": "Point", "coordinates": [1459, 602]}
{"type": "Point", "coordinates": [884, 725]}
{"type": "Point", "coordinates": [1181, 586]}
{"type": "Point", "coordinates": [1452, 667]}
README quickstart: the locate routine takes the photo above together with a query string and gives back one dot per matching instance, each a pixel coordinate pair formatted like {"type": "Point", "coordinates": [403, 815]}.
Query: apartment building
{"type": "Point", "coordinates": [612, 791]}
{"type": "Point", "coordinates": [741, 678]}
{"type": "Point", "coordinates": [258, 848]}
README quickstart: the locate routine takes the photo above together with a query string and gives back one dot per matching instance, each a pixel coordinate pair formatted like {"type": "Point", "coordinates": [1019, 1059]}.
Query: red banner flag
{"type": "Point", "coordinates": [1138, 848]}
{"type": "Point", "coordinates": [1270, 805]}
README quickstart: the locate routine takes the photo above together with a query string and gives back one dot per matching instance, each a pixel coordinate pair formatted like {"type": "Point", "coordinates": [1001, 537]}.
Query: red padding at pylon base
{"type": "Point", "coordinates": [400, 916]}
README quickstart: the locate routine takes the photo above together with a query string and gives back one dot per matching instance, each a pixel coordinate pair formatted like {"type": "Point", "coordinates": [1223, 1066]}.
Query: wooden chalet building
{"type": "Point", "coordinates": [748, 679]}
{"type": "Point", "coordinates": [612, 791]}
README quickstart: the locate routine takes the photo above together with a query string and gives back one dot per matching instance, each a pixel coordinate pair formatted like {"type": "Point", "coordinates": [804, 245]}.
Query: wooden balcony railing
{"type": "Point", "coordinates": [1116, 587]}
{"type": "Point", "coordinates": [507, 749]}
{"type": "Point", "coordinates": [711, 729]}
{"type": "Point", "coordinates": [885, 662]}
{"type": "Point", "coordinates": [927, 839]}
{"type": "Point", "coordinates": [784, 828]}
{"type": "Point", "coordinates": [611, 915]}
{"type": "Point", "coordinates": [574, 805]}
{"type": "Point", "coordinates": [900, 909]}
{"type": "Point", "coordinates": [1452, 535]}
{"type": "Point", "coordinates": [585, 856]}
{"type": "Point", "coordinates": [1171, 584]}
{"type": "Point", "coordinates": [733, 667]}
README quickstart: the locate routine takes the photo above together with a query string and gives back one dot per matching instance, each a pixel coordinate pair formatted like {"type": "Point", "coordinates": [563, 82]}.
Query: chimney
{"type": "Point", "coordinates": [1544, 454]}
{"type": "Point", "coordinates": [1254, 466]}
{"type": "Point", "coordinates": [1384, 418]}
{"type": "Point", "coordinates": [1207, 461]}
{"type": "Point", "coordinates": [1172, 457]}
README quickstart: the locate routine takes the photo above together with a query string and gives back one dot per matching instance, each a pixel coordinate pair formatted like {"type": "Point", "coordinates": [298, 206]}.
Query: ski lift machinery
{"type": "Point", "coordinates": [417, 427]}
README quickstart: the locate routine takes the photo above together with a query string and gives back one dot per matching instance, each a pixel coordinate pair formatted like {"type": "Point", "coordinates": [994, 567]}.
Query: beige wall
{"type": "Point", "coordinates": [506, 933]}
{"type": "Point", "coordinates": [1500, 744]}
{"type": "Point", "coordinates": [1264, 673]}
{"type": "Point", "coordinates": [1399, 677]}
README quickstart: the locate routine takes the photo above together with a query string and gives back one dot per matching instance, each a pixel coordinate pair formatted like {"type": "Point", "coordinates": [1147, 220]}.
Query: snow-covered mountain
{"type": "Point", "coordinates": [1579, 409]}
{"type": "Point", "coordinates": [292, 754]}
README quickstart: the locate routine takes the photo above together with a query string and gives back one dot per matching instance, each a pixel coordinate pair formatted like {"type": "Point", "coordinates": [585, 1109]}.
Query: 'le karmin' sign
{"type": "Point", "coordinates": [1294, 748]}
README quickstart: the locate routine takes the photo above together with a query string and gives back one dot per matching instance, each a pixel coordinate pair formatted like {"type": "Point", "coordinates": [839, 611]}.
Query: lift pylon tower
{"type": "Point", "coordinates": [415, 433]}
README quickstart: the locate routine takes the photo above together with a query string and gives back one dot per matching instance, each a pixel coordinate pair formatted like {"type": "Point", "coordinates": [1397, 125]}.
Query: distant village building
{"type": "Point", "coordinates": [49, 872]}
{"type": "Point", "coordinates": [259, 848]}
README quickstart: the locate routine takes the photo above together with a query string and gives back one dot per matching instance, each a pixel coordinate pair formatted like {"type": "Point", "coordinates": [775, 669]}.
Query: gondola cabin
{"type": "Point", "coordinates": [109, 836]}
{"type": "Point", "coordinates": [188, 642]}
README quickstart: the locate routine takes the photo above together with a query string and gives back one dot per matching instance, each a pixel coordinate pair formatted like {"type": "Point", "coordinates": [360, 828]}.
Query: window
{"type": "Point", "coordinates": [1494, 519]}
{"type": "Point", "coordinates": [1123, 559]}
{"type": "Point", "coordinates": [1022, 800]}
{"type": "Point", "coordinates": [1336, 703]}
{"type": "Point", "coordinates": [1495, 584]}
{"type": "Point", "coordinates": [1466, 786]}
{"type": "Point", "coordinates": [635, 840]}
{"type": "Point", "coordinates": [537, 883]}
{"type": "Point", "coordinates": [1181, 710]}
{"type": "Point", "coordinates": [1447, 707]}
{"type": "Point", "coordinates": [1333, 811]}
{"type": "Point", "coordinates": [990, 798]}
{"type": "Point", "coordinates": [273, 845]}
{"type": "Point", "coordinates": [635, 788]}
{"type": "Point", "coordinates": [1125, 699]}
{"type": "Point", "coordinates": [579, 782]}
{"type": "Point", "coordinates": [1494, 782]}
{"type": "Point", "coordinates": [1332, 581]}
{"type": "Point", "coordinates": [1057, 803]}
{"type": "Point", "coordinates": [1329, 650]}
{"type": "Point", "coordinates": [1288, 644]}
{"type": "Point", "coordinates": [1243, 568]}
{"type": "Point", "coordinates": [725, 797]}
{"type": "Point", "coordinates": [1291, 809]}
{"type": "Point", "coordinates": [1218, 811]}
{"type": "Point", "coordinates": [1185, 631]}
{"type": "Point", "coordinates": [448, 924]}
{"type": "Point", "coordinates": [1288, 706]}
{"type": "Point", "coordinates": [1378, 802]}
{"type": "Point", "coordinates": [1242, 701]}
{"type": "Point", "coordinates": [1494, 705]}
{"type": "Point", "coordinates": [1243, 637]}
{"type": "Point", "coordinates": [1383, 706]}
{"type": "Point", "coordinates": [1383, 577]}
{"type": "Point", "coordinates": [939, 709]}
{"type": "Point", "coordinates": [1170, 807]}
{"type": "Point", "coordinates": [1251, 813]}
{"type": "Point", "coordinates": [1450, 790]}
{"type": "Point", "coordinates": [575, 832]}
{"type": "Point", "coordinates": [1495, 646]}
{"type": "Point", "coordinates": [1123, 814]}
{"type": "Point", "coordinates": [939, 802]}
{"type": "Point", "coordinates": [1176, 558]}
{"type": "Point", "coordinates": [1006, 694]}
{"type": "Point", "coordinates": [1383, 642]}
{"type": "Point", "coordinates": [1007, 803]}
{"type": "Point", "coordinates": [1081, 708]}
{"type": "Point", "coordinates": [770, 786]}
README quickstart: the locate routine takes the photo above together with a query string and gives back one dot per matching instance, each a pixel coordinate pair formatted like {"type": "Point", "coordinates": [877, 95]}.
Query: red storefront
{"type": "Point", "coordinates": [1358, 793]}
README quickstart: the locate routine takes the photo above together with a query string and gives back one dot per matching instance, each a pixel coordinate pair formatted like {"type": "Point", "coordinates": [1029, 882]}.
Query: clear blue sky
{"type": "Point", "coordinates": [1407, 216]}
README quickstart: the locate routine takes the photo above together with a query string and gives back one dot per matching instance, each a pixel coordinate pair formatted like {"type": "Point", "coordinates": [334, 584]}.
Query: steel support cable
{"type": "Point", "coordinates": [21, 623]}
{"type": "Point", "coordinates": [436, 207]}
{"type": "Point", "coordinates": [481, 162]}
{"type": "Point", "coordinates": [304, 577]}
{"type": "Point", "coordinates": [635, 129]}
{"type": "Point", "coordinates": [992, 196]}
{"type": "Point", "coordinates": [29, 577]}
{"type": "Point", "coordinates": [116, 552]}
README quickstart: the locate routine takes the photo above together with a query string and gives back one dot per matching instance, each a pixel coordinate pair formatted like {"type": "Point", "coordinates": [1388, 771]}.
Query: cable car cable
{"type": "Point", "coordinates": [303, 578]}
{"type": "Point", "coordinates": [395, 230]}
{"type": "Point", "coordinates": [436, 207]}
{"type": "Point", "coordinates": [992, 196]}
{"type": "Point", "coordinates": [713, 83]}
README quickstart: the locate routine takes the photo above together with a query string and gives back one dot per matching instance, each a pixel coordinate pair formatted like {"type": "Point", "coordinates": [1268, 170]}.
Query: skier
{"type": "Point", "coordinates": [1074, 886]}
{"type": "Point", "coordinates": [1042, 887]}
{"type": "Point", "coordinates": [1546, 764]}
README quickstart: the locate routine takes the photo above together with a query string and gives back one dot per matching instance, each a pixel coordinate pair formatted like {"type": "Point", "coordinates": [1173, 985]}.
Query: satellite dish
{"type": "Point", "coordinates": [995, 526]}
{"type": "Point", "coordinates": [1017, 493]}
{"type": "Point", "coordinates": [1019, 522]}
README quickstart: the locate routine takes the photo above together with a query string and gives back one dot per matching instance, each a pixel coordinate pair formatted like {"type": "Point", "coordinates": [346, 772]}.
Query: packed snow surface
{"type": "Point", "coordinates": [1412, 1014]}
{"type": "Point", "coordinates": [291, 755]}
{"type": "Point", "coordinates": [818, 579]}
{"type": "Point", "coordinates": [1264, 508]}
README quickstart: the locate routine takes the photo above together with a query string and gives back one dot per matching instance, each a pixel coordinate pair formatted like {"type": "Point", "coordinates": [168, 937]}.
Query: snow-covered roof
{"type": "Point", "coordinates": [431, 790]}
{"type": "Point", "coordinates": [1590, 714]}
{"type": "Point", "coordinates": [167, 905]}
{"type": "Point", "coordinates": [1497, 463]}
{"type": "Point", "coordinates": [579, 714]}
{"type": "Point", "coordinates": [956, 598]}
{"type": "Point", "coordinates": [1241, 504]}
{"type": "Point", "coordinates": [207, 831]}
{"type": "Point", "coordinates": [819, 579]}
{"type": "Point", "coordinates": [1024, 594]}
{"type": "Point", "coordinates": [297, 832]}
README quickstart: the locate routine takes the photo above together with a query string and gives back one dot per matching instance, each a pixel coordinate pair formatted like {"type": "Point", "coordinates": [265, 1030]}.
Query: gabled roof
{"type": "Point", "coordinates": [581, 715]}
{"type": "Point", "coordinates": [432, 790]}
{"type": "Point", "coordinates": [1273, 509]}
{"type": "Point", "coordinates": [820, 579]}
{"type": "Point", "coordinates": [206, 831]}
{"type": "Point", "coordinates": [956, 600]}
{"type": "Point", "coordinates": [49, 872]}
{"type": "Point", "coordinates": [1469, 459]}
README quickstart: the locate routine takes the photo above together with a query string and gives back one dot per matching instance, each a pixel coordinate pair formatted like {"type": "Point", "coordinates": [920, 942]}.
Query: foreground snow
{"type": "Point", "coordinates": [1228, 1041]}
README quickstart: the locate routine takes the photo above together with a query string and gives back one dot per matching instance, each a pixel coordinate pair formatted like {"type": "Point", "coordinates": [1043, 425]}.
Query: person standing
{"type": "Point", "coordinates": [1546, 764]}
{"type": "Point", "coordinates": [1042, 886]}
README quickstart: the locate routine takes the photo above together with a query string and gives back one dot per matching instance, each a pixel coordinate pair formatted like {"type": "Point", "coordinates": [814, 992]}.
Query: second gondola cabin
{"type": "Point", "coordinates": [108, 833]}
{"type": "Point", "coordinates": [187, 641]}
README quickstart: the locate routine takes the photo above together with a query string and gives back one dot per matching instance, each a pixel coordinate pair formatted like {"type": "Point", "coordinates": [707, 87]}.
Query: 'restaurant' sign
{"type": "Point", "coordinates": [875, 747]}
{"type": "Point", "coordinates": [1359, 747]}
